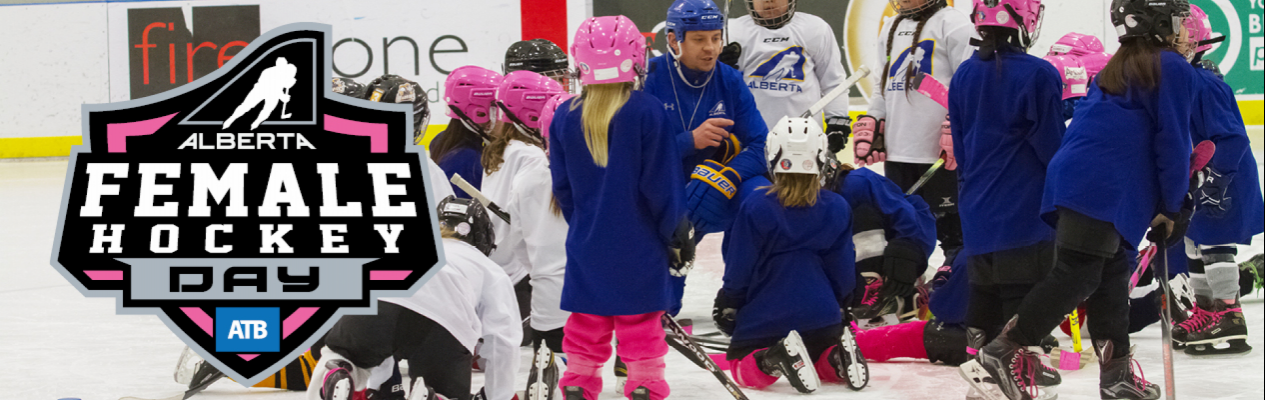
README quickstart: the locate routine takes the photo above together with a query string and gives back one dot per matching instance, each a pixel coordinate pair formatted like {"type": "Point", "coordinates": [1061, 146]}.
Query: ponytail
{"type": "Point", "coordinates": [494, 152]}
{"type": "Point", "coordinates": [601, 102]}
{"type": "Point", "coordinates": [796, 190]}
{"type": "Point", "coordinates": [1137, 63]}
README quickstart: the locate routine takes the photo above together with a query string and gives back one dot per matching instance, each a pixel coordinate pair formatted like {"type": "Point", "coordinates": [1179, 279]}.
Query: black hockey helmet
{"type": "Point", "coordinates": [1152, 19]}
{"type": "Point", "coordinates": [537, 55]}
{"type": "Point", "coordinates": [349, 87]}
{"type": "Point", "coordinates": [469, 220]}
{"type": "Point", "coordinates": [395, 89]}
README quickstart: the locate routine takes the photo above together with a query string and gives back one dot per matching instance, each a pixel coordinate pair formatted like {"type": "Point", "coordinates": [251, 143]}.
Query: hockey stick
{"type": "Point", "coordinates": [836, 92]}
{"type": "Point", "coordinates": [477, 195]}
{"type": "Point", "coordinates": [682, 342]}
{"type": "Point", "coordinates": [727, 3]}
{"type": "Point", "coordinates": [1144, 262]}
{"type": "Point", "coordinates": [926, 176]}
{"type": "Point", "coordinates": [284, 114]}
{"type": "Point", "coordinates": [932, 88]}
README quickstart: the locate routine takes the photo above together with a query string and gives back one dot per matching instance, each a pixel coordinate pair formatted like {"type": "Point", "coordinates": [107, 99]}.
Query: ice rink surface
{"type": "Point", "coordinates": [55, 343]}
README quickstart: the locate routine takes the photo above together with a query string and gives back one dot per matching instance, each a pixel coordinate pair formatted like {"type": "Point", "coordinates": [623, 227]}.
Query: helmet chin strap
{"type": "Point", "coordinates": [676, 62]}
{"type": "Point", "coordinates": [518, 124]}
{"type": "Point", "coordinates": [469, 124]}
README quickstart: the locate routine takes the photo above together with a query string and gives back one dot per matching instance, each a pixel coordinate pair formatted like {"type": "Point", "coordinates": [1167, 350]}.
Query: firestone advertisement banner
{"type": "Point", "coordinates": [1241, 56]}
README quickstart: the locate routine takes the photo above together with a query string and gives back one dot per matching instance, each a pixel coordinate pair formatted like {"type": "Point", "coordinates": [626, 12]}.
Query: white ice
{"type": "Point", "coordinates": [55, 343]}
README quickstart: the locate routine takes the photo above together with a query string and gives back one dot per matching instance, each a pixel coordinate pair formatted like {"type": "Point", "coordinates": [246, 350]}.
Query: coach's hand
{"type": "Point", "coordinates": [711, 133]}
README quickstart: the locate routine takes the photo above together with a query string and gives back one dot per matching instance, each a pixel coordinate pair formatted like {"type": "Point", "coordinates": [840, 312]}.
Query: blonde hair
{"type": "Point", "coordinates": [494, 151]}
{"type": "Point", "coordinates": [796, 190]}
{"type": "Point", "coordinates": [604, 101]}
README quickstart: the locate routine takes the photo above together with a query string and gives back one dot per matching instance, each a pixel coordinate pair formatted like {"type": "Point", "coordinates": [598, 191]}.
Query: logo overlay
{"type": "Point", "coordinates": [251, 208]}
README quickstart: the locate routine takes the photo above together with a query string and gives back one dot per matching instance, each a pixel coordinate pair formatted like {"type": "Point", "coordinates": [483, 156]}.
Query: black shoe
{"type": "Point", "coordinates": [1014, 367]}
{"type": "Point", "coordinates": [1116, 377]}
{"type": "Point", "coordinates": [790, 358]}
{"type": "Point", "coordinates": [573, 393]}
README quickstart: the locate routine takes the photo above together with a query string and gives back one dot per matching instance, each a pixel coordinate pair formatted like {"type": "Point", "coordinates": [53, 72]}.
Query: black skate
{"type": "Point", "coordinates": [1014, 367]}
{"type": "Point", "coordinates": [621, 375]}
{"type": "Point", "coordinates": [337, 383]}
{"type": "Point", "coordinates": [194, 372]}
{"type": "Point", "coordinates": [1252, 275]}
{"type": "Point", "coordinates": [543, 378]}
{"type": "Point", "coordinates": [573, 393]}
{"type": "Point", "coordinates": [640, 393]}
{"type": "Point", "coordinates": [1116, 377]}
{"type": "Point", "coordinates": [1223, 323]}
{"type": "Point", "coordinates": [869, 307]}
{"type": "Point", "coordinates": [848, 362]}
{"type": "Point", "coordinates": [790, 358]}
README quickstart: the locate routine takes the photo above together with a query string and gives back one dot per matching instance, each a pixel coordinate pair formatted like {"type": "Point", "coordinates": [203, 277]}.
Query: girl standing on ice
{"type": "Point", "coordinates": [469, 92]}
{"type": "Point", "coordinates": [902, 127]}
{"type": "Point", "coordinates": [1123, 167]}
{"type": "Point", "coordinates": [789, 269]}
{"type": "Point", "coordinates": [617, 177]}
{"type": "Point", "coordinates": [1005, 113]}
{"type": "Point", "coordinates": [533, 247]}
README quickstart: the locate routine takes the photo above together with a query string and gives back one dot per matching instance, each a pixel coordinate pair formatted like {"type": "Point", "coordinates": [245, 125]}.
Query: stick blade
{"type": "Point", "coordinates": [1202, 155]}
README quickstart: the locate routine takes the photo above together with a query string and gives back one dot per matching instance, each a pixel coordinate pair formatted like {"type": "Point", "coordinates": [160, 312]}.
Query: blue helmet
{"type": "Point", "coordinates": [694, 15]}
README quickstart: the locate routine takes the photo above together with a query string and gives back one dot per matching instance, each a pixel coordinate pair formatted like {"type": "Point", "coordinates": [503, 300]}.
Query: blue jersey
{"type": "Point", "coordinates": [621, 216]}
{"type": "Point", "coordinates": [464, 160]}
{"type": "Point", "coordinates": [1216, 117]}
{"type": "Point", "coordinates": [726, 96]}
{"type": "Point", "coordinates": [1007, 124]}
{"type": "Point", "coordinates": [790, 267]}
{"type": "Point", "coordinates": [1126, 157]}
{"type": "Point", "coordinates": [906, 217]}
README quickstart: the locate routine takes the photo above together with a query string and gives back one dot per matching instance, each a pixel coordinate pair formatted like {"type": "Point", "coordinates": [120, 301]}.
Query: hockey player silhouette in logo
{"type": "Point", "coordinates": [274, 84]}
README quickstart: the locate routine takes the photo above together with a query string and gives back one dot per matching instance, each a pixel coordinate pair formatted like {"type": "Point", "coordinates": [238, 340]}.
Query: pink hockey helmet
{"type": "Point", "coordinates": [1024, 15]}
{"type": "Point", "coordinates": [1077, 44]}
{"type": "Point", "coordinates": [1199, 27]}
{"type": "Point", "coordinates": [470, 91]}
{"type": "Point", "coordinates": [1072, 72]}
{"type": "Point", "coordinates": [609, 50]}
{"type": "Point", "coordinates": [547, 111]}
{"type": "Point", "coordinates": [523, 94]}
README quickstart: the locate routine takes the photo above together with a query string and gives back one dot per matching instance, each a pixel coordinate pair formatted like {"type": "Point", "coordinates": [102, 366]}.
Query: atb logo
{"type": "Point", "coordinates": [250, 208]}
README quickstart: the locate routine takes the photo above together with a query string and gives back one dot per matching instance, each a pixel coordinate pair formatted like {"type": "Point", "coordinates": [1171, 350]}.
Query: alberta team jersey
{"type": "Point", "coordinates": [790, 68]}
{"type": "Point", "coordinates": [913, 120]}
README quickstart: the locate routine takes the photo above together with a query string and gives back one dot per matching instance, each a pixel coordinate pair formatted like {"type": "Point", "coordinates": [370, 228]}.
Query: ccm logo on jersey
{"type": "Point", "coordinates": [777, 39]}
{"type": "Point", "coordinates": [247, 329]}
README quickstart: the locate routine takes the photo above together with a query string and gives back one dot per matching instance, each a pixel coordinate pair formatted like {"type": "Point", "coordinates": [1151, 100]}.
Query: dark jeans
{"type": "Point", "coordinates": [1085, 270]}
{"type": "Point", "coordinates": [941, 193]}
{"type": "Point", "coordinates": [432, 353]}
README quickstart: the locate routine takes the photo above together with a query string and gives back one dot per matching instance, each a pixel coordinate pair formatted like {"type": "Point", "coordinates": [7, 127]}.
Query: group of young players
{"type": "Point", "coordinates": [592, 235]}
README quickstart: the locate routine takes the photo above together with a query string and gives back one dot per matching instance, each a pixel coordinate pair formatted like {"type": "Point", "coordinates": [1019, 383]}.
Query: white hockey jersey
{"type": "Point", "coordinates": [439, 187]}
{"type": "Point", "coordinates": [535, 243]}
{"type": "Point", "coordinates": [913, 120]}
{"type": "Point", "coordinates": [790, 68]}
{"type": "Point", "coordinates": [473, 299]}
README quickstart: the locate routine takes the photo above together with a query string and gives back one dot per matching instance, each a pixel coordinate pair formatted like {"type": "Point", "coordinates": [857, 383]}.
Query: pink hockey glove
{"type": "Point", "coordinates": [946, 144]}
{"type": "Point", "coordinates": [867, 142]}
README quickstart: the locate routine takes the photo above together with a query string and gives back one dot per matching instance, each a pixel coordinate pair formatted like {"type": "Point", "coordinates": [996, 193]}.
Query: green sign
{"type": "Point", "coordinates": [1242, 55]}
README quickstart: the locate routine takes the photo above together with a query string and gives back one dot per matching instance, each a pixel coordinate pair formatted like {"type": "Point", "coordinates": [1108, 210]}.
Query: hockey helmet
{"type": "Point", "coordinates": [1072, 72]}
{"type": "Point", "coordinates": [693, 15]}
{"type": "Point", "coordinates": [522, 95]}
{"type": "Point", "coordinates": [469, 220]}
{"type": "Point", "coordinates": [1200, 29]}
{"type": "Point", "coordinates": [349, 87]}
{"type": "Point", "coordinates": [395, 89]}
{"type": "Point", "coordinates": [537, 55]}
{"type": "Point", "coordinates": [796, 146]}
{"type": "Point", "coordinates": [470, 91]}
{"type": "Point", "coordinates": [609, 50]}
{"type": "Point", "coordinates": [908, 10]}
{"type": "Point", "coordinates": [547, 111]}
{"type": "Point", "coordinates": [782, 15]}
{"type": "Point", "coordinates": [1155, 20]}
{"type": "Point", "coordinates": [1022, 15]}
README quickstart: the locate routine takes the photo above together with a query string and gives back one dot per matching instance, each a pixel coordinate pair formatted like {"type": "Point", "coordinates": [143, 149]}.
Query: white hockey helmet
{"type": "Point", "coordinates": [796, 146]}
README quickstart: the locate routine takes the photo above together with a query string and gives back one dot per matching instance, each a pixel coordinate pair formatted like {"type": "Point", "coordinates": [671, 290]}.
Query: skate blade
{"type": "Point", "coordinates": [620, 382]}
{"type": "Point", "coordinates": [806, 373]}
{"type": "Point", "coordinates": [1216, 341]}
{"type": "Point", "coordinates": [973, 373]}
{"type": "Point", "coordinates": [539, 391]}
{"type": "Point", "coordinates": [1237, 348]}
{"type": "Point", "coordinates": [880, 321]}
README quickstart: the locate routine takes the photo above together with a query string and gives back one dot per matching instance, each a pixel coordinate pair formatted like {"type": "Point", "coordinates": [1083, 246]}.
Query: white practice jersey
{"type": "Point", "coordinates": [473, 299]}
{"type": "Point", "coordinates": [790, 68]}
{"type": "Point", "coordinates": [439, 186]}
{"type": "Point", "coordinates": [535, 243]}
{"type": "Point", "coordinates": [913, 120]}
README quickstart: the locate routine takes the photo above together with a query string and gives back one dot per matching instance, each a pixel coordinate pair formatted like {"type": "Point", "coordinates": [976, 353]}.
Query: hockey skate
{"type": "Point", "coordinates": [574, 393]}
{"type": "Point", "coordinates": [542, 381]}
{"type": "Point", "coordinates": [337, 383]}
{"type": "Point", "coordinates": [790, 358]}
{"type": "Point", "coordinates": [640, 393]}
{"type": "Point", "coordinates": [192, 371]}
{"type": "Point", "coordinates": [869, 307]}
{"type": "Point", "coordinates": [1015, 368]}
{"type": "Point", "coordinates": [848, 362]}
{"type": "Point", "coordinates": [1220, 324]}
{"type": "Point", "coordinates": [1252, 273]}
{"type": "Point", "coordinates": [621, 375]}
{"type": "Point", "coordinates": [1117, 379]}
{"type": "Point", "coordinates": [420, 391]}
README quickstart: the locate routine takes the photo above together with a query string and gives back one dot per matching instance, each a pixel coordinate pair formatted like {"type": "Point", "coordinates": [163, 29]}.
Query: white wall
{"type": "Point", "coordinates": [53, 60]}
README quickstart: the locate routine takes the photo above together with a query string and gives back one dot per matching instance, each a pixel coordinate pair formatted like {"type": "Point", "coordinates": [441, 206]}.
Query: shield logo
{"type": "Point", "coordinates": [251, 208]}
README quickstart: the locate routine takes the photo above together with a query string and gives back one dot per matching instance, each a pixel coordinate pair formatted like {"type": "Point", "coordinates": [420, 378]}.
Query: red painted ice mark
{"type": "Point", "coordinates": [200, 318]}
{"type": "Point", "coordinates": [104, 275]}
{"type": "Point", "coordinates": [389, 275]}
{"type": "Point", "coordinates": [295, 320]}
{"type": "Point", "coordinates": [377, 133]}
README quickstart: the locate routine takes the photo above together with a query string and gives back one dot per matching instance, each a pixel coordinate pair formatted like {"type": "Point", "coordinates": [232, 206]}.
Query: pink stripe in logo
{"type": "Point", "coordinates": [248, 357]}
{"type": "Point", "coordinates": [116, 134]}
{"type": "Point", "coordinates": [377, 133]}
{"type": "Point", "coordinates": [295, 320]}
{"type": "Point", "coordinates": [201, 319]}
{"type": "Point", "coordinates": [389, 275]}
{"type": "Point", "coordinates": [104, 275]}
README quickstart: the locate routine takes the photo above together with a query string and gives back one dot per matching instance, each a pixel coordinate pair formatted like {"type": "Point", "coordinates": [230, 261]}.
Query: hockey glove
{"type": "Point", "coordinates": [681, 253]}
{"type": "Point", "coordinates": [725, 312]}
{"type": "Point", "coordinates": [1211, 66]}
{"type": "Point", "coordinates": [707, 196]}
{"type": "Point", "coordinates": [868, 141]}
{"type": "Point", "coordinates": [903, 263]}
{"type": "Point", "coordinates": [838, 130]}
{"type": "Point", "coordinates": [946, 144]}
{"type": "Point", "coordinates": [731, 54]}
{"type": "Point", "coordinates": [1211, 197]}
{"type": "Point", "coordinates": [1169, 229]}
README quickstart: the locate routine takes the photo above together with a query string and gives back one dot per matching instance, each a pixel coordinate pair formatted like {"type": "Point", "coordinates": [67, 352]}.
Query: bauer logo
{"type": "Point", "coordinates": [251, 208]}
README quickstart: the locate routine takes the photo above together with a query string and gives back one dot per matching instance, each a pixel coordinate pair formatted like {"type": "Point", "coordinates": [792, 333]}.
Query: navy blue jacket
{"type": "Point", "coordinates": [622, 216]}
{"type": "Point", "coordinates": [1216, 117]}
{"type": "Point", "coordinates": [726, 96]}
{"type": "Point", "coordinates": [790, 267]}
{"type": "Point", "coordinates": [1125, 158]}
{"type": "Point", "coordinates": [907, 217]}
{"type": "Point", "coordinates": [464, 160]}
{"type": "Point", "coordinates": [1007, 124]}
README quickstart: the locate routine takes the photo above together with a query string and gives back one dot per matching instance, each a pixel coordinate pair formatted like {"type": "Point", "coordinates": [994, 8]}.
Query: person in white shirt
{"type": "Point", "coordinates": [902, 127]}
{"type": "Point", "coordinates": [789, 60]}
{"type": "Point", "coordinates": [436, 329]}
